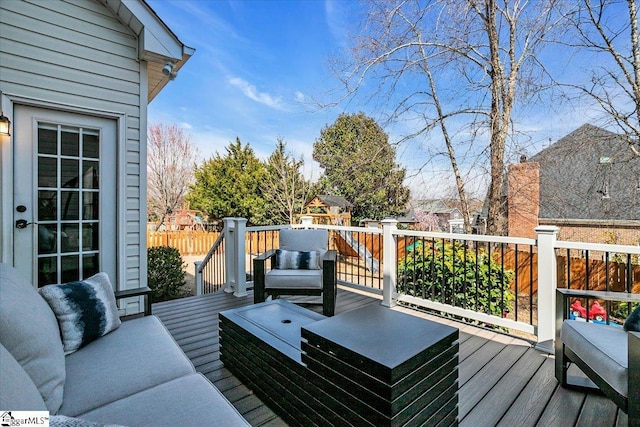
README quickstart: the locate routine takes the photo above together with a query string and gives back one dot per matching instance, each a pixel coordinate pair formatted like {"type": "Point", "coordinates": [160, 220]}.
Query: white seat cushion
{"type": "Point", "coordinates": [304, 240]}
{"type": "Point", "coordinates": [139, 354]}
{"type": "Point", "coordinates": [17, 390]}
{"type": "Point", "coordinates": [29, 331]}
{"type": "Point", "coordinates": [602, 347]}
{"type": "Point", "coordinates": [185, 401]}
{"type": "Point", "coordinates": [293, 279]}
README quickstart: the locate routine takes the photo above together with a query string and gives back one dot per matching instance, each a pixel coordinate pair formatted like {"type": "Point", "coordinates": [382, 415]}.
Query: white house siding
{"type": "Point", "coordinates": [77, 54]}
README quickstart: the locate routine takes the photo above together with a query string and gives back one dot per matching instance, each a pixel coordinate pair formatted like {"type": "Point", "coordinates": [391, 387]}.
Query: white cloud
{"type": "Point", "coordinates": [251, 92]}
{"type": "Point", "coordinates": [185, 125]}
{"type": "Point", "coordinates": [339, 21]}
{"type": "Point", "coordinates": [300, 96]}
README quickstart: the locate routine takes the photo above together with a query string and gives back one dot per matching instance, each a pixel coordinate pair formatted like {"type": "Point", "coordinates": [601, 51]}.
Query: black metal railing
{"type": "Point", "coordinates": [595, 267]}
{"type": "Point", "coordinates": [210, 273]}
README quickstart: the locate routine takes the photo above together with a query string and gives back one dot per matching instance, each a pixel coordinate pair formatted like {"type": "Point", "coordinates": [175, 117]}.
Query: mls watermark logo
{"type": "Point", "coordinates": [24, 418]}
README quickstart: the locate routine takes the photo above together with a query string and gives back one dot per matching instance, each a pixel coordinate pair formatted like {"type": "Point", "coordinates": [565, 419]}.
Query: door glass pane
{"type": "Point", "coordinates": [70, 266]}
{"type": "Point", "coordinates": [90, 205]}
{"type": "Point", "coordinates": [47, 205]}
{"type": "Point", "coordinates": [69, 173]}
{"type": "Point", "coordinates": [69, 207]}
{"type": "Point", "coordinates": [90, 237]}
{"type": "Point", "coordinates": [90, 174]}
{"type": "Point", "coordinates": [47, 139]}
{"type": "Point", "coordinates": [90, 143]}
{"type": "Point", "coordinates": [70, 142]}
{"type": "Point", "coordinates": [47, 240]}
{"type": "Point", "coordinates": [90, 265]}
{"type": "Point", "coordinates": [70, 238]}
{"type": "Point", "coordinates": [47, 172]}
{"type": "Point", "coordinates": [47, 271]}
{"type": "Point", "coordinates": [68, 203]}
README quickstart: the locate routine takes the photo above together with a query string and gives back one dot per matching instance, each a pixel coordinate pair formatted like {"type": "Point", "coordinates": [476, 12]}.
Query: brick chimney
{"type": "Point", "coordinates": [523, 194]}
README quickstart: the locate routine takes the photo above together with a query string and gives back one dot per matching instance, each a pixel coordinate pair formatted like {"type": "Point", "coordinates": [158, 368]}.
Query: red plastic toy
{"type": "Point", "coordinates": [596, 311]}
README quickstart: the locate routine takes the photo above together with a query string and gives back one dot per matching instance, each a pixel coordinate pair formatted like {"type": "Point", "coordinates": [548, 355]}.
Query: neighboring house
{"type": "Point", "coordinates": [587, 183]}
{"type": "Point", "coordinates": [75, 80]}
{"type": "Point", "coordinates": [444, 210]}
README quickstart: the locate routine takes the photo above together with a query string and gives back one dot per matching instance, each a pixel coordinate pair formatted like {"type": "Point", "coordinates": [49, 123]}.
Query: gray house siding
{"type": "Point", "coordinates": [76, 55]}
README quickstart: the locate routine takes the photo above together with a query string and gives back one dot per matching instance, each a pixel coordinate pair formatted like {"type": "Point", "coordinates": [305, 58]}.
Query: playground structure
{"type": "Point", "coordinates": [329, 210]}
{"type": "Point", "coordinates": [349, 245]}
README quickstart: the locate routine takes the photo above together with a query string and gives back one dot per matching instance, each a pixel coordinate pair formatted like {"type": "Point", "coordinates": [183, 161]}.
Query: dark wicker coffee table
{"type": "Point", "coordinates": [370, 366]}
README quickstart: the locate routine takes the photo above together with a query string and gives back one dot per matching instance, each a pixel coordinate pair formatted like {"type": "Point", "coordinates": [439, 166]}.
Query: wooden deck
{"type": "Point", "coordinates": [502, 380]}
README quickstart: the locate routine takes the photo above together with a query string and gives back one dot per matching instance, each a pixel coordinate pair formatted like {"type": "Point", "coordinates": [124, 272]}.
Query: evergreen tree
{"type": "Point", "coordinates": [359, 164]}
{"type": "Point", "coordinates": [229, 186]}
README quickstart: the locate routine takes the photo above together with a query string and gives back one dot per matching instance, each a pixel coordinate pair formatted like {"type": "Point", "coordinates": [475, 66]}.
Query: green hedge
{"type": "Point", "coordinates": [448, 274]}
{"type": "Point", "coordinates": [165, 274]}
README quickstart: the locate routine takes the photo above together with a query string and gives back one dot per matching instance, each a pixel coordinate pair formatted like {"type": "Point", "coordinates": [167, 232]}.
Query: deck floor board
{"type": "Point", "coordinates": [502, 379]}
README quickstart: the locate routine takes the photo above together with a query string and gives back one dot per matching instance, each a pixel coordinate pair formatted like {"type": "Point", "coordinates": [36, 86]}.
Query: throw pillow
{"type": "Point", "coordinates": [633, 321]}
{"type": "Point", "coordinates": [85, 310]}
{"type": "Point", "coordinates": [296, 260]}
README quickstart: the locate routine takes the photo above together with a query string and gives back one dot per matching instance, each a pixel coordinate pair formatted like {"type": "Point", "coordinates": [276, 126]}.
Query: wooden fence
{"type": "Point", "coordinates": [581, 273]}
{"type": "Point", "coordinates": [188, 242]}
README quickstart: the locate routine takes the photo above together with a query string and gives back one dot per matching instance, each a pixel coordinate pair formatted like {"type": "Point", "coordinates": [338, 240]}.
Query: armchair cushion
{"type": "Point", "coordinates": [602, 347]}
{"type": "Point", "coordinates": [293, 279]}
{"type": "Point", "coordinates": [633, 321]}
{"type": "Point", "coordinates": [304, 240]}
{"type": "Point", "coordinates": [297, 260]}
{"type": "Point", "coordinates": [29, 331]}
{"type": "Point", "coordinates": [85, 310]}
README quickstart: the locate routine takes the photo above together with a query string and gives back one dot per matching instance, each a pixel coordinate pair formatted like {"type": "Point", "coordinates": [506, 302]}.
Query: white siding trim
{"type": "Point", "coordinates": [143, 173]}
{"type": "Point", "coordinates": [6, 186]}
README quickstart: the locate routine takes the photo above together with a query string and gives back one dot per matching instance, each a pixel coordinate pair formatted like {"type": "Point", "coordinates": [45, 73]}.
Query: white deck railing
{"type": "Point", "coordinates": [532, 264]}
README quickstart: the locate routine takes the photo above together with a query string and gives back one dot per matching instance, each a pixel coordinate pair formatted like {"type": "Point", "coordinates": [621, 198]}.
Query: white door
{"type": "Point", "coordinates": [64, 195]}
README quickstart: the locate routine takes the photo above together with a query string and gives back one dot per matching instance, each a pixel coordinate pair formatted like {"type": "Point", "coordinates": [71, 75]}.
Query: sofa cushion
{"type": "Point", "coordinates": [139, 354]}
{"type": "Point", "coordinates": [85, 310]}
{"type": "Point", "coordinates": [602, 347]}
{"type": "Point", "coordinates": [292, 279]}
{"type": "Point", "coordinates": [64, 421]}
{"type": "Point", "coordinates": [187, 401]}
{"type": "Point", "coordinates": [17, 390]}
{"type": "Point", "coordinates": [304, 240]}
{"type": "Point", "coordinates": [297, 260]}
{"type": "Point", "coordinates": [29, 331]}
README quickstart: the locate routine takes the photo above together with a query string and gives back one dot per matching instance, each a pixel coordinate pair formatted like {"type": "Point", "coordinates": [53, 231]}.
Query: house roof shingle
{"type": "Point", "coordinates": [580, 170]}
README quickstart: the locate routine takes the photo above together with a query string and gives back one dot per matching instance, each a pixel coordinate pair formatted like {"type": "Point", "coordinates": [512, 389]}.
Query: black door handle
{"type": "Point", "coordinates": [22, 223]}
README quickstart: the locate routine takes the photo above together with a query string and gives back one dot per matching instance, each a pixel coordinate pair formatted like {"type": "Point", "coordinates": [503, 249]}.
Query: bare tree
{"type": "Point", "coordinates": [284, 186]}
{"type": "Point", "coordinates": [171, 159]}
{"type": "Point", "coordinates": [610, 29]}
{"type": "Point", "coordinates": [457, 67]}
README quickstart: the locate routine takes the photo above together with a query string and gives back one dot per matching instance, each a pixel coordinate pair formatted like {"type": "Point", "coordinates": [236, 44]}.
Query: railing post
{"type": "Point", "coordinates": [198, 276]}
{"type": "Point", "coordinates": [389, 261]}
{"type": "Point", "coordinates": [306, 221]}
{"type": "Point", "coordinates": [546, 287]}
{"type": "Point", "coordinates": [229, 254]}
{"type": "Point", "coordinates": [240, 257]}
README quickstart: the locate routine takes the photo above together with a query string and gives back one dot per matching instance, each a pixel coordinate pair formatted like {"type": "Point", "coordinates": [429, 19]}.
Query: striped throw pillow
{"type": "Point", "coordinates": [297, 260]}
{"type": "Point", "coordinates": [85, 310]}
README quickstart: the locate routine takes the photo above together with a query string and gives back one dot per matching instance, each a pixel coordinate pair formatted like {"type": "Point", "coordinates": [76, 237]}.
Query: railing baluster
{"type": "Point", "coordinates": [531, 284]}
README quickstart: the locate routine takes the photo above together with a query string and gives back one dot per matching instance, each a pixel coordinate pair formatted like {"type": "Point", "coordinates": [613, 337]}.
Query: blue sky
{"type": "Point", "coordinates": [256, 69]}
{"type": "Point", "coordinates": [259, 64]}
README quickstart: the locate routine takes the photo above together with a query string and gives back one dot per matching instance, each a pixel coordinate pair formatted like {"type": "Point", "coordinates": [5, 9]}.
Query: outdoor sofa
{"type": "Point", "coordinates": [135, 375]}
